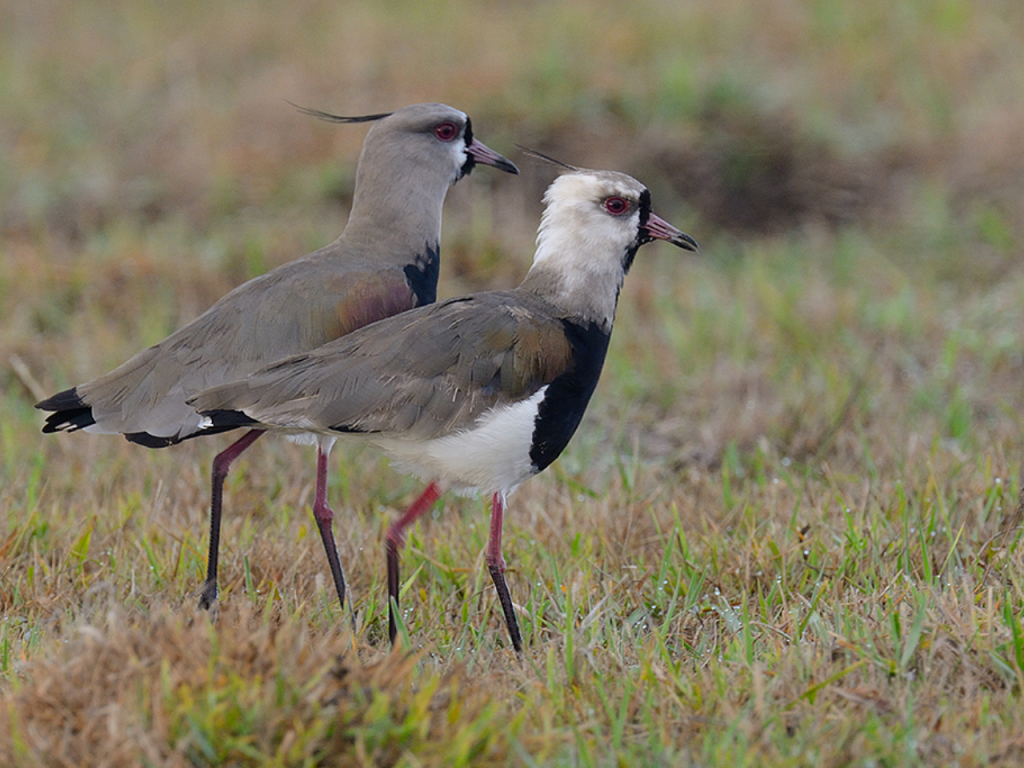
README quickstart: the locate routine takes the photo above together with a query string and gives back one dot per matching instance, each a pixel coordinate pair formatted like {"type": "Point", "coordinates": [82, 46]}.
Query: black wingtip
{"type": "Point", "coordinates": [69, 420]}
{"type": "Point", "coordinates": [62, 401]}
{"type": "Point", "coordinates": [70, 412]}
{"type": "Point", "coordinates": [328, 117]}
{"type": "Point", "coordinates": [541, 156]}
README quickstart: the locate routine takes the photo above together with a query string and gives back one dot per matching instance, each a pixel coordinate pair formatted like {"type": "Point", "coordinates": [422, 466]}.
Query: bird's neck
{"type": "Point", "coordinates": [400, 216]}
{"type": "Point", "coordinates": [572, 273]}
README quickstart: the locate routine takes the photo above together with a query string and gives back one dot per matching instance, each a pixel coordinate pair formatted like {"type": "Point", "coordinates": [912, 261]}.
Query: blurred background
{"type": "Point", "coordinates": [853, 171]}
{"type": "Point", "coordinates": [810, 433]}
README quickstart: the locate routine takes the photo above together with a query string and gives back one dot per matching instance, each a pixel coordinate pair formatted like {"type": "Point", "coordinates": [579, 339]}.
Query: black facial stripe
{"type": "Point", "coordinates": [645, 207]}
{"type": "Point", "coordinates": [642, 235]}
{"type": "Point", "coordinates": [467, 137]}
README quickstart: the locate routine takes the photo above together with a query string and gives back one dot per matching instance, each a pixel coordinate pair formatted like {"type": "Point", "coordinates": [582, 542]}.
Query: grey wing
{"type": "Point", "coordinates": [288, 310]}
{"type": "Point", "coordinates": [423, 374]}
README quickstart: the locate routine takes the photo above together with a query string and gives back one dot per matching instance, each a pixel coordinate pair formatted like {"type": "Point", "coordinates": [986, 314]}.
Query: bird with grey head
{"type": "Point", "coordinates": [480, 392]}
{"type": "Point", "coordinates": [385, 262]}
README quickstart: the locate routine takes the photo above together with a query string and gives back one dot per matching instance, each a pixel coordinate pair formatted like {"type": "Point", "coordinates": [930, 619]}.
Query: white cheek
{"type": "Point", "coordinates": [586, 245]}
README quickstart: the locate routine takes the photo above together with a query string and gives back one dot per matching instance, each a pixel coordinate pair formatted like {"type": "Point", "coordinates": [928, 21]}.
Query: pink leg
{"type": "Point", "coordinates": [496, 565]}
{"type": "Point", "coordinates": [221, 464]}
{"type": "Point", "coordinates": [324, 516]}
{"type": "Point", "coordinates": [395, 538]}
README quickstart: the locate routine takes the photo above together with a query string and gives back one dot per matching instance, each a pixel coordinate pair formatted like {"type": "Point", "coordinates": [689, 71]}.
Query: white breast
{"type": "Point", "coordinates": [491, 456]}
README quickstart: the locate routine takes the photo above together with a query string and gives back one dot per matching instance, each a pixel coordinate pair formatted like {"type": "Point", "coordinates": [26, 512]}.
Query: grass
{"type": "Point", "coordinates": [789, 529]}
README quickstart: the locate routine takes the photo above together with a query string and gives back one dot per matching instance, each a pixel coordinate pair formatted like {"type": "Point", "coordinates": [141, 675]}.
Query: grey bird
{"type": "Point", "coordinates": [477, 393]}
{"type": "Point", "coordinates": [386, 261]}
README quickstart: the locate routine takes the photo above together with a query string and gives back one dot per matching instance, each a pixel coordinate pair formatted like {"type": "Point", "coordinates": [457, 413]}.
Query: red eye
{"type": "Point", "coordinates": [446, 131]}
{"type": "Point", "coordinates": [616, 206]}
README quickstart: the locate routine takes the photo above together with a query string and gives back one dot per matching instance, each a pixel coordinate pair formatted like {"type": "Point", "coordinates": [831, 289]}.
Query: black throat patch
{"type": "Point", "coordinates": [567, 397]}
{"type": "Point", "coordinates": [422, 274]}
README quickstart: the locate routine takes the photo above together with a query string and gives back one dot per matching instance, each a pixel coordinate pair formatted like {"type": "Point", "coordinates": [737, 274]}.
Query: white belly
{"type": "Point", "coordinates": [491, 456]}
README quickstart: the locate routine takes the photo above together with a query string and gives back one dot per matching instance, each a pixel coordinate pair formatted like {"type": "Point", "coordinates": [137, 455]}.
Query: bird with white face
{"type": "Point", "coordinates": [477, 393]}
{"type": "Point", "coordinates": [386, 261]}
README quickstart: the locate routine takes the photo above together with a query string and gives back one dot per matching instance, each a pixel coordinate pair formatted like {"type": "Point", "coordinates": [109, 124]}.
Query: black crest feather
{"type": "Point", "coordinates": [327, 116]}
{"type": "Point", "coordinates": [541, 156]}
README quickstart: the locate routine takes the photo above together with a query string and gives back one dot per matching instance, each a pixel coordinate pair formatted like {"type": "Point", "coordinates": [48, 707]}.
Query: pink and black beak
{"type": "Point", "coordinates": [653, 227]}
{"type": "Point", "coordinates": [656, 228]}
{"type": "Point", "coordinates": [478, 152]}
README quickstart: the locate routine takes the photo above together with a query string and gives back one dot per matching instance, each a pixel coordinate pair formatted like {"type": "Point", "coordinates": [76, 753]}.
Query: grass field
{"type": "Point", "coordinates": [788, 531]}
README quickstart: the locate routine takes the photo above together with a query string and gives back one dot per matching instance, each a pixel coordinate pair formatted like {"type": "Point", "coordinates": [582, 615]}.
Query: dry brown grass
{"type": "Point", "coordinates": [162, 690]}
